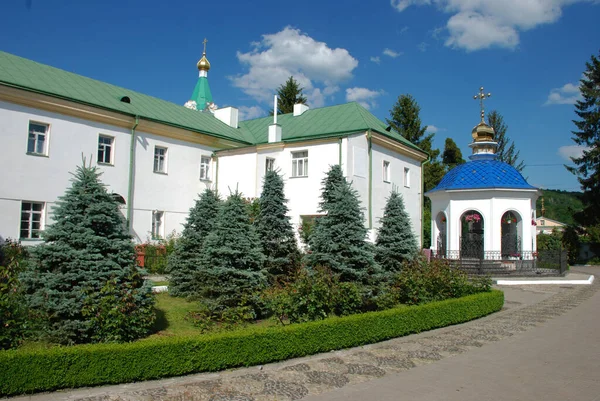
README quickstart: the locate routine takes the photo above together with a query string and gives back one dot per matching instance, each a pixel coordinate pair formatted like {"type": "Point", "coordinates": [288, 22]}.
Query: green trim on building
{"type": "Point", "coordinates": [201, 94]}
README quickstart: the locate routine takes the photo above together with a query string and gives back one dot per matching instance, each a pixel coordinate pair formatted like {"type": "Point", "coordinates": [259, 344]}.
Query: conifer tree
{"type": "Point", "coordinates": [274, 228]}
{"type": "Point", "coordinates": [333, 178]}
{"type": "Point", "coordinates": [452, 155]}
{"type": "Point", "coordinates": [395, 240]}
{"type": "Point", "coordinates": [184, 262]}
{"type": "Point", "coordinates": [289, 94]}
{"type": "Point", "coordinates": [88, 253]}
{"type": "Point", "coordinates": [232, 258]}
{"type": "Point", "coordinates": [506, 151]}
{"type": "Point", "coordinates": [338, 241]}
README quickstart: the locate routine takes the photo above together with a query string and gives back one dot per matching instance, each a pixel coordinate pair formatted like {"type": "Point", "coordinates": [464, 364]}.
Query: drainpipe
{"type": "Point", "coordinates": [131, 175]}
{"type": "Point", "coordinates": [423, 198]}
{"type": "Point", "coordinates": [369, 134]}
{"type": "Point", "coordinates": [216, 172]}
{"type": "Point", "coordinates": [340, 148]}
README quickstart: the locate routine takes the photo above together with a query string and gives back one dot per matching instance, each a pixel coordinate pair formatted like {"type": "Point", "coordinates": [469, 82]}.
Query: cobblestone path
{"type": "Point", "coordinates": [293, 380]}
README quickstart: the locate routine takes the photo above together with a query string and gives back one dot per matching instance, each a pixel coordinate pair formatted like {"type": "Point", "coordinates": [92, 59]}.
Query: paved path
{"type": "Point", "coordinates": [543, 345]}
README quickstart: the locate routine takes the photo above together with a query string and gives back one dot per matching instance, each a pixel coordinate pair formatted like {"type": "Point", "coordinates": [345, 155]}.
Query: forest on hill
{"type": "Point", "coordinates": [559, 205]}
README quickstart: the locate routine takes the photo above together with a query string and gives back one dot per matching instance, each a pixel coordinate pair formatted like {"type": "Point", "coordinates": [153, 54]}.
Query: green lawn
{"type": "Point", "coordinates": [170, 316]}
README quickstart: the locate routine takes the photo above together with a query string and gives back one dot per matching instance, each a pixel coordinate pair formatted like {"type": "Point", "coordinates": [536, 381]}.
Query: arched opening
{"type": "Point", "coordinates": [471, 235]}
{"type": "Point", "coordinates": [511, 226]}
{"type": "Point", "coordinates": [442, 239]}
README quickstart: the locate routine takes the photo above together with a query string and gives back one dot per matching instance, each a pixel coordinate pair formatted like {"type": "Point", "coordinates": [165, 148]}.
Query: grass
{"type": "Point", "coordinates": [171, 315]}
{"type": "Point", "coordinates": [157, 283]}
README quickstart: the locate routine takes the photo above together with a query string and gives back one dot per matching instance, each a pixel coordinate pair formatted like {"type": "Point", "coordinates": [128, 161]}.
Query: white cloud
{"type": "Point", "coordinates": [433, 129]}
{"type": "Point", "coordinates": [365, 97]}
{"type": "Point", "coordinates": [567, 94]}
{"type": "Point", "coordinates": [376, 60]}
{"type": "Point", "coordinates": [481, 24]}
{"type": "Point", "coordinates": [293, 53]}
{"type": "Point", "coordinates": [566, 152]}
{"type": "Point", "coordinates": [248, 113]}
{"type": "Point", "coordinates": [422, 46]}
{"type": "Point", "coordinates": [391, 53]}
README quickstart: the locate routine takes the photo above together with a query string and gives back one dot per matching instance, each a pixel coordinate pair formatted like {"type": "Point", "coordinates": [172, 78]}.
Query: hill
{"type": "Point", "coordinates": [559, 205]}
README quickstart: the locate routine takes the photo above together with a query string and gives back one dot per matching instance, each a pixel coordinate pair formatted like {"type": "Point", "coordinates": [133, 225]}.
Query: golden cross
{"type": "Point", "coordinates": [482, 96]}
{"type": "Point", "coordinates": [205, 42]}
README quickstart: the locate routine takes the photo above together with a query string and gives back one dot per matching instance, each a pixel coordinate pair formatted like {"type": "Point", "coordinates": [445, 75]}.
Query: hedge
{"type": "Point", "coordinates": [28, 371]}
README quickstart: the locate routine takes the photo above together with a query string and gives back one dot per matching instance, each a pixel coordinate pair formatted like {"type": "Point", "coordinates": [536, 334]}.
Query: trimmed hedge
{"type": "Point", "coordinates": [28, 371]}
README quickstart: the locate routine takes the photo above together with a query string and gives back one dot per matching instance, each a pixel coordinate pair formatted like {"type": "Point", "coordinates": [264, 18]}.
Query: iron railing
{"type": "Point", "coordinates": [547, 262]}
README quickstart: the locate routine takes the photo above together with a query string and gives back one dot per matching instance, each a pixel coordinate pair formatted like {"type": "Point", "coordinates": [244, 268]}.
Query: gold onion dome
{"type": "Point", "coordinates": [203, 64]}
{"type": "Point", "coordinates": [482, 133]}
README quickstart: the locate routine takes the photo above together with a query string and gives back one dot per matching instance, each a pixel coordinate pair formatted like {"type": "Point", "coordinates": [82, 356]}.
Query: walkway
{"type": "Point", "coordinates": [543, 345]}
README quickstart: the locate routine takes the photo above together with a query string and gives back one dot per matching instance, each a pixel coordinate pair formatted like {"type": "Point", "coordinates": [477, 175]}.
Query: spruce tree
{"type": "Point", "coordinates": [87, 252]}
{"type": "Point", "coordinates": [506, 151]}
{"type": "Point", "coordinates": [232, 259]}
{"type": "Point", "coordinates": [338, 241]}
{"type": "Point", "coordinates": [587, 137]}
{"type": "Point", "coordinates": [452, 155]}
{"type": "Point", "coordinates": [288, 95]}
{"type": "Point", "coordinates": [275, 230]}
{"type": "Point", "coordinates": [184, 262]}
{"type": "Point", "coordinates": [333, 178]}
{"type": "Point", "coordinates": [395, 240]}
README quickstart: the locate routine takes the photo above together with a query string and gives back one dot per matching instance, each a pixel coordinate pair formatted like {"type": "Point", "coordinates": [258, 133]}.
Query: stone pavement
{"type": "Point", "coordinates": [522, 352]}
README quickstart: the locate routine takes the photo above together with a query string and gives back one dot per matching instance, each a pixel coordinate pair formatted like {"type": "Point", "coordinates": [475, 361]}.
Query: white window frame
{"type": "Point", "coordinates": [205, 168]}
{"type": "Point", "coordinates": [406, 177]}
{"type": "Point", "coordinates": [386, 171]}
{"type": "Point", "coordinates": [29, 218]}
{"type": "Point", "coordinates": [160, 166]}
{"type": "Point", "coordinates": [300, 163]}
{"type": "Point", "coordinates": [102, 148]}
{"type": "Point", "coordinates": [269, 164]}
{"type": "Point", "coordinates": [36, 139]}
{"type": "Point", "coordinates": [158, 224]}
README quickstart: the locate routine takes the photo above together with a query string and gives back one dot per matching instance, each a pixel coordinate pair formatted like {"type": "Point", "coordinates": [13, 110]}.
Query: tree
{"type": "Point", "coordinates": [506, 151]}
{"type": "Point", "coordinates": [231, 268]}
{"type": "Point", "coordinates": [395, 240]}
{"type": "Point", "coordinates": [333, 178]}
{"type": "Point", "coordinates": [587, 136]}
{"type": "Point", "coordinates": [274, 228]}
{"type": "Point", "coordinates": [338, 241]}
{"type": "Point", "coordinates": [452, 155]}
{"type": "Point", "coordinates": [288, 95]}
{"type": "Point", "coordinates": [88, 253]}
{"type": "Point", "coordinates": [184, 262]}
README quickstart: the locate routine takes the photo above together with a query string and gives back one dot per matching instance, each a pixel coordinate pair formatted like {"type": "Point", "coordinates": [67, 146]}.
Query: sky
{"type": "Point", "coordinates": [530, 54]}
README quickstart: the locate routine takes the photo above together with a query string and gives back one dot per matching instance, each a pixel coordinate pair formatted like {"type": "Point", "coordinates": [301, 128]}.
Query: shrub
{"type": "Point", "coordinates": [13, 314]}
{"type": "Point", "coordinates": [27, 371]}
{"type": "Point", "coordinates": [422, 281]}
{"type": "Point", "coordinates": [209, 319]}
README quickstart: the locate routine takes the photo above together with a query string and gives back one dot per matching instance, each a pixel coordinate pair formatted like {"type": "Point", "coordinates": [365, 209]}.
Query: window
{"type": "Point", "coordinates": [300, 164]}
{"type": "Point", "coordinates": [160, 160]}
{"type": "Point", "coordinates": [406, 177]}
{"type": "Point", "coordinates": [386, 171]}
{"type": "Point", "coordinates": [105, 149]}
{"type": "Point", "coordinates": [32, 214]}
{"type": "Point", "coordinates": [37, 141]}
{"type": "Point", "coordinates": [205, 168]}
{"type": "Point", "coordinates": [157, 224]}
{"type": "Point", "coordinates": [269, 164]}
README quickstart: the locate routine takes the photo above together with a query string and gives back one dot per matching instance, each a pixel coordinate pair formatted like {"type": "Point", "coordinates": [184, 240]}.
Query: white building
{"type": "Point", "coordinates": [483, 208]}
{"type": "Point", "coordinates": [157, 156]}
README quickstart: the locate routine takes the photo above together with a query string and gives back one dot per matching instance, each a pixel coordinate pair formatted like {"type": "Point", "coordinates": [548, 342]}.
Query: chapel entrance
{"type": "Point", "coordinates": [472, 235]}
{"type": "Point", "coordinates": [511, 242]}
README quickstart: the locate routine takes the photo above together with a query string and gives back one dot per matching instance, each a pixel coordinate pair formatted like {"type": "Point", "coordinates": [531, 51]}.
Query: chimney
{"type": "Point", "coordinates": [299, 108]}
{"type": "Point", "coordinates": [274, 129]}
{"type": "Point", "coordinates": [229, 115]}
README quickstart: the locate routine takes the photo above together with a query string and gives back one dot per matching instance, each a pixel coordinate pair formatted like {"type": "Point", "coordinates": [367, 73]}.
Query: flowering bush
{"type": "Point", "coordinates": [474, 217]}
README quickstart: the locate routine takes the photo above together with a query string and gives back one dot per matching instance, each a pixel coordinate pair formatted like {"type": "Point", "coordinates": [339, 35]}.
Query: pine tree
{"type": "Point", "coordinates": [87, 250]}
{"type": "Point", "coordinates": [232, 258]}
{"type": "Point", "coordinates": [506, 151]}
{"type": "Point", "coordinates": [452, 156]}
{"type": "Point", "coordinates": [587, 136]}
{"type": "Point", "coordinates": [395, 240]}
{"type": "Point", "coordinates": [184, 262]}
{"type": "Point", "coordinates": [338, 241]}
{"type": "Point", "coordinates": [275, 230]}
{"type": "Point", "coordinates": [288, 95]}
{"type": "Point", "coordinates": [333, 178]}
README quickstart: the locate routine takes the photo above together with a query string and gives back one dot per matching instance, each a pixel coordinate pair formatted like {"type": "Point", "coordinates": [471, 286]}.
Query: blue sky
{"type": "Point", "coordinates": [529, 53]}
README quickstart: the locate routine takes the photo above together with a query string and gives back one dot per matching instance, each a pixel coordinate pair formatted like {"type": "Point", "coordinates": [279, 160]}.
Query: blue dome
{"type": "Point", "coordinates": [482, 174]}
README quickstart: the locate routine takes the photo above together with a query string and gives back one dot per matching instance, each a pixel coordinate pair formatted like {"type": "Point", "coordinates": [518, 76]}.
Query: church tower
{"type": "Point", "coordinates": [201, 97]}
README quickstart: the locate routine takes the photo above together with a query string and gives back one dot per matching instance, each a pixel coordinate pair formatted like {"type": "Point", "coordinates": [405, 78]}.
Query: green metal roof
{"type": "Point", "coordinates": [27, 74]}
{"type": "Point", "coordinates": [312, 124]}
{"type": "Point", "coordinates": [322, 123]}
{"type": "Point", "coordinates": [202, 93]}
